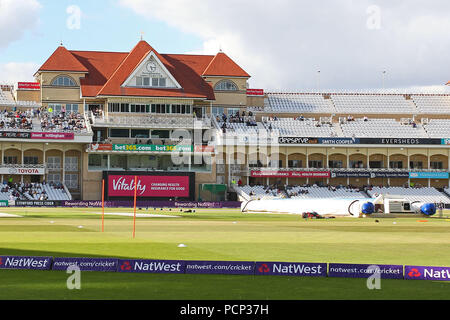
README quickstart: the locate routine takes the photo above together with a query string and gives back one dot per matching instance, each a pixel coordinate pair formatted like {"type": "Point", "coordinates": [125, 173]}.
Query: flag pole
{"type": "Point", "coordinates": [135, 195]}
{"type": "Point", "coordinates": [103, 205]}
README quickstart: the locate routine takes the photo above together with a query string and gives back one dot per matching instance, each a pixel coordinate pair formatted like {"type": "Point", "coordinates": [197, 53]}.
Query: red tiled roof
{"type": "Point", "coordinates": [101, 66]}
{"type": "Point", "coordinates": [107, 71]}
{"type": "Point", "coordinates": [63, 60]}
{"type": "Point", "coordinates": [222, 65]}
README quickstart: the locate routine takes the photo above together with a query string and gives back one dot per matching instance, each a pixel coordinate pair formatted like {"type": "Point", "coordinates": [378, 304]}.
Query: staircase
{"type": "Point", "coordinates": [337, 128]}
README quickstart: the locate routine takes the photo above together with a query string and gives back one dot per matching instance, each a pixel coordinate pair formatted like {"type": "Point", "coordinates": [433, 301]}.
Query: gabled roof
{"type": "Point", "coordinates": [193, 86]}
{"type": "Point", "coordinates": [62, 60]}
{"type": "Point", "coordinates": [222, 65]}
{"type": "Point", "coordinates": [106, 72]}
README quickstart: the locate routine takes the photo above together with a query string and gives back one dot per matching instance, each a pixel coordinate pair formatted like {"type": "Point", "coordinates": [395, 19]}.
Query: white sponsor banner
{"type": "Point", "coordinates": [23, 171]}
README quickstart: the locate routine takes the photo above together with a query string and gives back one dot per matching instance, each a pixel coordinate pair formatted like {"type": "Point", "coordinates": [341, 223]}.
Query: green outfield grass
{"type": "Point", "coordinates": [219, 235]}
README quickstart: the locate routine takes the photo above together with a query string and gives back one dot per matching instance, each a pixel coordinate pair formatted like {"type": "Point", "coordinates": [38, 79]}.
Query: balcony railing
{"type": "Point", "coordinates": [25, 166]}
{"type": "Point", "coordinates": [247, 170]}
{"type": "Point", "coordinates": [152, 121]}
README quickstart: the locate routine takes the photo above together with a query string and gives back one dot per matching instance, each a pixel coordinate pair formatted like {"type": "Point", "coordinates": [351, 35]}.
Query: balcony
{"type": "Point", "coordinates": [151, 122]}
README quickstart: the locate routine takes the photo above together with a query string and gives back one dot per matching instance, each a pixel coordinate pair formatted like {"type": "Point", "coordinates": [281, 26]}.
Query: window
{"type": "Point", "coordinates": [140, 134]}
{"type": "Point", "coordinates": [113, 107]}
{"type": "Point", "coordinates": [71, 180]}
{"type": "Point", "coordinates": [226, 85]}
{"type": "Point", "coordinates": [395, 164]}
{"type": "Point", "coordinates": [217, 111]}
{"type": "Point", "coordinates": [71, 108]}
{"type": "Point", "coordinates": [56, 108]}
{"type": "Point", "coordinates": [276, 164]}
{"type": "Point", "coordinates": [124, 107]}
{"type": "Point", "coordinates": [436, 165]}
{"type": "Point", "coordinates": [98, 162]}
{"type": "Point", "coordinates": [335, 164]}
{"type": "Point", "coordinates": [139, 108]}
{"type": "Point", "coordinates": [71, 164]}
{"type": "Point", "coordinates": [54, 163]}
{"type": "Point", "coordinates": [119, 133]}
{"type": "Point", "coordinates": [54, 177]}
{"type": "Point", "coordinates": [416, 164]}
{"type": "Point", "coordinates": [357, 164]}
{"type": "Point", "coordinates": [10, 160]}
{"type": "Point", "coordinates": [376, 164]}
{"type": "Point", "coordinates": [63, 81]}
{"type": "Point", "coordinates": [30, 160]}
{"type": "Point", "coordinates": [315, 164]}
{"type": "Point", "coordinates": [165, 134]}
{"type": "Point", "coordinates": [232, 111]}
{"type": "Point", "coordinates": [294, 163]}
{"type": "Point", "coordinates": [151, 82]}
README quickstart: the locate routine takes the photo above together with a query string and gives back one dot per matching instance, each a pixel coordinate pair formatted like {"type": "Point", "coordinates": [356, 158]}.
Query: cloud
{"type": "Point", "coordinates": [14, 72]}
{"type": "Point", "coordinates": [283, 44]}
{"type": "Point", "coordinates": [16, 17]}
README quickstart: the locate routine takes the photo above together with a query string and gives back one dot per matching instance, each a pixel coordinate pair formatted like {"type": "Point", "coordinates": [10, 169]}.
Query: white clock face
{"type": "Point", "coordinates": [151, 67]}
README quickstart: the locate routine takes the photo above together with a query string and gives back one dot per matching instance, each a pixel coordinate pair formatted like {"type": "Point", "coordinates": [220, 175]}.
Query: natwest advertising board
{"type": "Point", "coordinates": [290, 174]}
{"type": "Point", "coordinates": [150, 185]}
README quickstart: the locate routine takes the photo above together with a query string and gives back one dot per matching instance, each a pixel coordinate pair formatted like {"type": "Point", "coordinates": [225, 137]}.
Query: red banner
{"type": "Point", "coordinates": [53, 135]}
{"type": "Point", "coordinates": [148, 186]}
{"type": "Point", "coordinates": [255, 92]}
{"type": "Point", "coordinates": [290, 174]}
{"type": "Point", "coordinates": [29, 85]}
{"type": "Point", "coordinates": [203, 149]}
{"type": "Point", "coordinates": [101, 147]}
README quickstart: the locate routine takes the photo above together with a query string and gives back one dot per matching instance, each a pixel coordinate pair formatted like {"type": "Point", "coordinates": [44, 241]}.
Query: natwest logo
{"type": "Point", "coordinates": [414, 273]}
{"type": "Point", "coordinates": [264, 268]}
{"type": "Point", "coordinates": [126, 266]}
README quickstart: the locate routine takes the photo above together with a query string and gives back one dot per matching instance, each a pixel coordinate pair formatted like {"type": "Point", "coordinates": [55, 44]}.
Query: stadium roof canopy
{"type": "Point", "coordinates": [108, 72]}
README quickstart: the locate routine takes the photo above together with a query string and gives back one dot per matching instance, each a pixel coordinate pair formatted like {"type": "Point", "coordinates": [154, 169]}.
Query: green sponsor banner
{"type": "Point", "coordinates": [4, 203]}
{"type": "Point", "coordinates": [151, 148]}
